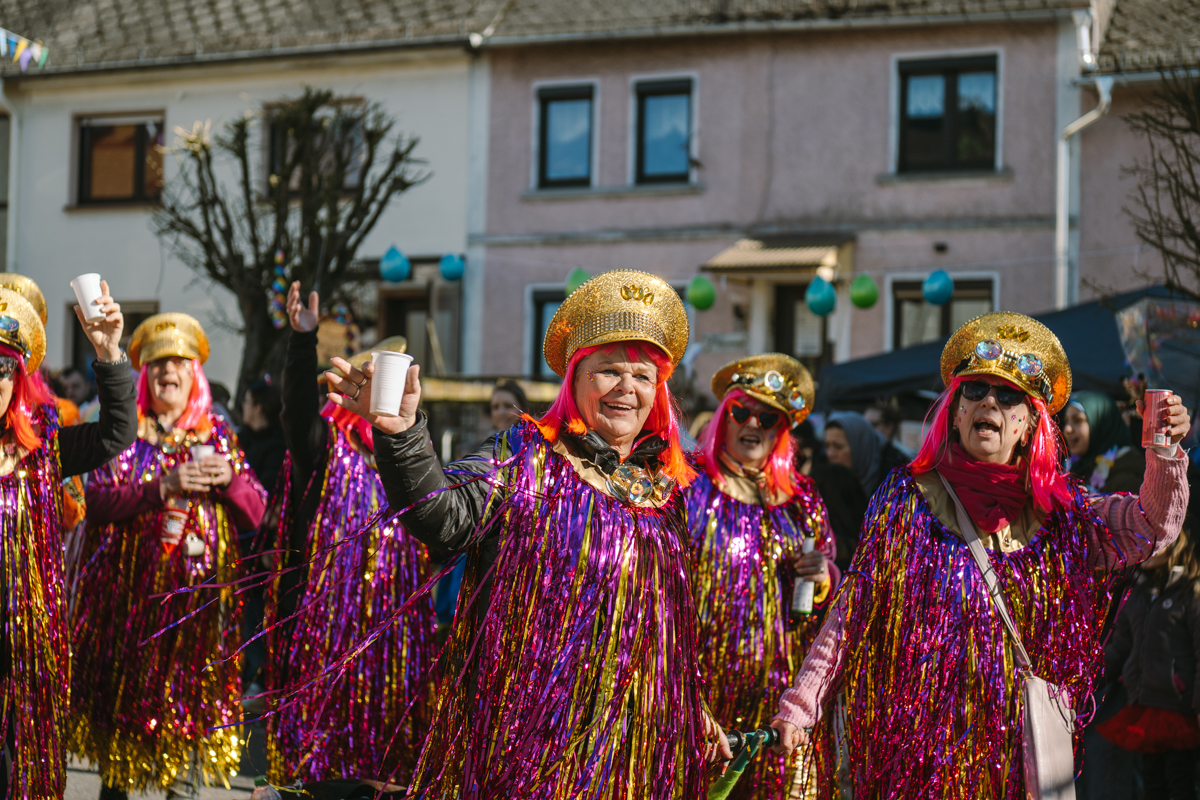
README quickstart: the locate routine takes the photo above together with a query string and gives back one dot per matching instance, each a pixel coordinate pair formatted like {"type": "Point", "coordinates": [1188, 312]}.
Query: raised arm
{"type": "Point", "coordinates": [1143, 524]}
{"type": "Point", "coordinates": [303, 428]}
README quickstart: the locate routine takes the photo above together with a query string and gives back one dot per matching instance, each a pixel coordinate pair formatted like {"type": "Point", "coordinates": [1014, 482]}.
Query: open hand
{"type": "Point", "coordinates": [104, 332]}
{"type": "Point", "coordinates": [1175, 417]}
{"type": "Point", "coordinates": [303, 319]}
{"type": "Point", "coordinates": [353, 393]}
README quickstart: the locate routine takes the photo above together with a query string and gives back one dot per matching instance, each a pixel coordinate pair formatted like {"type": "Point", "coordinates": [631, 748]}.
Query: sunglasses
{"type": "Point", "coordinates": [1005, 396]}
{"type": "Point", "coordinates": [766, 419]}
{"type": "Point", "coordinates": [8, 365]}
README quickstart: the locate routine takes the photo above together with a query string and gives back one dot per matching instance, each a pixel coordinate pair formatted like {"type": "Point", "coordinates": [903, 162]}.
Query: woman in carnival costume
{"type": "Point", "coordinates": [35, 456]}
{"type": "Point", "coordinates": [572, 668]}
{"type": "Point", "coordinates": [356, 577]}
{"type": "Point", "coordinates": [932, 698]}
{"type": "Point", "coordinates": [749, 513]}
{"type": "Point", "coordinates": [150, 698]}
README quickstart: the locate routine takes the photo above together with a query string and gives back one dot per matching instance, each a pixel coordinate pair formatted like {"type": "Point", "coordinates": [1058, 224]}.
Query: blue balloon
{"type": "Point", "coordinates": [938, 288]}
{"type": "Point", "coordinates": [452, 266]}
{"type": "Point", "coordinates": [394, 266]}
{"type": "Point", "coordinates": [820, 297]}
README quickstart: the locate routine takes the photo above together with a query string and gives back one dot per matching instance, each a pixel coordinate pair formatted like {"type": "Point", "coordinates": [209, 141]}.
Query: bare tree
{"type": "Point", "coordinates": [304, 200]}
{"type": "Point", "coordinates": [1166, 203]}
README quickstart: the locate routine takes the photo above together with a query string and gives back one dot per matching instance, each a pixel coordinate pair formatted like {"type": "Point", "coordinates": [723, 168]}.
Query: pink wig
{"type": "Point", "coordinates": [199, 402]}
{"type": "Point", "coordinates": [348, 421]}
{"type": "Point", "coordinates": [1043, 454]}
{"type": "Point", "coordinates": [779, 470]}
{"type": "Point", "coordinates": [663, 420]}
{"type": "Point", "coordinates": [29, 392]}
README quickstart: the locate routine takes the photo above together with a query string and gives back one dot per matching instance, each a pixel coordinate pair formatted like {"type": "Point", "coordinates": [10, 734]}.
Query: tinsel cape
{"type": "Point", "coordinates": [933, 707]}
{"type": "Point", "coordinates": [36, 656]}
{"type": "Point", "coordinates": [157, 679]}
{"type": "Point", "coordinates": [742, 578]}
{"type": "Point", "coordinates": [579, 677]}
{"type": "Point", "coordinates": [360, 725]}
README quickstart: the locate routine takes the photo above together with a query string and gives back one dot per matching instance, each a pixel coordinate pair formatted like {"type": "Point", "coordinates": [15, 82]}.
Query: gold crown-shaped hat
{"type": "Point", "coordinates": [27, 288]}
{"type": "Point", "coordinates": [778, 380]}
{"type": "Point", "coordinates": [622, 305]}
{"type": "Point", "coordinates": [1014, 347]}
{"type": "Point", "coordinates": [21, 328]}
{"type": "Point", "coordinates": [167, 335]}
{"type": "Point", "coordinates": [396, 344]}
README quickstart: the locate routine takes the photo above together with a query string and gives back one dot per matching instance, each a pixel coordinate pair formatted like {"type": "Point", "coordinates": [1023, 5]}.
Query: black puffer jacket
{"type": "Point", "coordinates": [1155, 646]}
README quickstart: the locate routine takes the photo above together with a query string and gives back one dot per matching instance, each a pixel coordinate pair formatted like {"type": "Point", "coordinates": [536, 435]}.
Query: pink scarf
{"type": "Point", "coordinates": [993, 494]}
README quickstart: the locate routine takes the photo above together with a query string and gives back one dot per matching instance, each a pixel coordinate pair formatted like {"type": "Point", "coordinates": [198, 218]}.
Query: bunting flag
{"type": "Point", "coordinates": [23, 50]}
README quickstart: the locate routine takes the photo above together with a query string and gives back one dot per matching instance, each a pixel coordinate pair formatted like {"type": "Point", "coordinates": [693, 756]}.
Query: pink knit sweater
{"type": "Point", "coordinates": [1140, 525]}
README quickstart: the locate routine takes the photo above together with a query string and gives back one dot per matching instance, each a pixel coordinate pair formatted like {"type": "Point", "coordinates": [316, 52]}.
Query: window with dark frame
{"type": "Point", "coordinates": [948, 115]}
{"type": "Point", "coordinates": [565, 136]}
{"type": "Point", "coordinates": [545, 303]}
{"type": "Point", "coordinates": [664, 132]}
{"type": "Point", "coordinates": [799, 332]}
{"type": "Point", "coordinates": [276, 149]}
{"type": "Point", "coordinates": [120, 160]}
{"type": "Point", "coordinates": [915, 321]}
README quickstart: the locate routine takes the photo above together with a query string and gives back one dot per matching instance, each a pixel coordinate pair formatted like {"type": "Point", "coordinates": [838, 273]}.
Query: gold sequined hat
{"type": "Point", "coordinates": [21, 329]}
{"type": "Point", "coordinates": [1014, 347]}
{"type": "Point", "coordinates": [776, 379]}
{"type": "Point", "coordinates": [396, 344]}
{"type": "Point", "coordinates": [622, 305]}
{"type": "Point", "coordinates": [27, 288]}
{"type": "Point", "coordinates": [167, 335]}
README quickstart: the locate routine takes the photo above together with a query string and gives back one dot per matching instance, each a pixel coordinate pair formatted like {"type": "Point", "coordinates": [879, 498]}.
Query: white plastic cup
{"type": "Point", "coordinates": [387, 384]}
{"type": "Point", "coordinates": [87, 291]}
{"type": "Point", "coordinates": [193, 545]}
{"type": "Point", "coordinates": [202, 451]}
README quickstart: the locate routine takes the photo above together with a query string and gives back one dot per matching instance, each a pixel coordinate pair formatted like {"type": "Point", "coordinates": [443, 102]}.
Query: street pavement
{"type": "Point", "coordinates": [83, 782]}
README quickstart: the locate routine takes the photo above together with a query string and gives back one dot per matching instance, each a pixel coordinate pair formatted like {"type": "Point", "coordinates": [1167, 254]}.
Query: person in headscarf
{"type": "Point", "coordinates": [157, 681]}
{"type": "Point", "coordinates": [855, 444]}
{"type": "Point", "coordinates": [1102, 453]}
{"type": "Point", "coordinates": [933, 680]}
{"type": "Point", "coordinates": [749, 512]}
{"type": "Point", "coordinates": [572, 667]}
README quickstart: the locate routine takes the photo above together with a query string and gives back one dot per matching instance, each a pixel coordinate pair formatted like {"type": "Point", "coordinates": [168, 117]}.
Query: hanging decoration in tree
{"type": "Point", "coordinates": [820, 297]}
{"type": "Point", "coordinates": [452, 266]}
{"type": "Point", "coordinates": [394, 266]}
{"type": "Point", "coordinates": [938, 288]}
{"type": "Point", "coordinates": [701, 293]}
{"type": "Point", "coordinates": [578, 277]}
{"type": "Point", "coordinates": [345, 318]}
{"type": "Point", "coordinates": [864, 291]}
{"type": "Point", "coordinates": [279, 293]}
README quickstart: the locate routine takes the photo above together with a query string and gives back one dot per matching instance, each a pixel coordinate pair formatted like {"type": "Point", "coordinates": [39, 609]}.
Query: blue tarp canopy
{"type": "Point", "coordinates": [1088, 333]}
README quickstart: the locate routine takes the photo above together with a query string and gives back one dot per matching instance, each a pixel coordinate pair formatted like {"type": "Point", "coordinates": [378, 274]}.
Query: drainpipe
{"type": "Point", "coordinates": [1062, 201]}
{"type": "Point", "coordinates": [14, 169]}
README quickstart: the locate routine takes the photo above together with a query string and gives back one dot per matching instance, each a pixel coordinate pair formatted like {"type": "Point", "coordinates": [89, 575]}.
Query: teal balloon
{"type": "Point", "coordinates": [820, 297]}
{"type": "Point", "coordinates": [864, 291]}
{"type": "Point", "coordinates": [394, 266]}
{"type": "Point", "coordinates": [701, 293]}
{"type": "Point", "coordinates": [938, 288]}
{"type": "Point", "coordinates": [452, 266]}
{"type": "Point", "coordinates": [578, 277]}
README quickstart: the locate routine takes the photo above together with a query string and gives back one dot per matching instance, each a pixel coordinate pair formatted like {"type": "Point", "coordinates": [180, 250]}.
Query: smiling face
{"type": "Point", "coordinates": [170, 381]}
{"type": "Point", "coordinates": [747, 442]}
{"type": "Point", "coordinates": [988, 430]}
{"type": "Point", "coordinates": [615, 395]}
{"type": "Point", "coordinates": [1076, 430]}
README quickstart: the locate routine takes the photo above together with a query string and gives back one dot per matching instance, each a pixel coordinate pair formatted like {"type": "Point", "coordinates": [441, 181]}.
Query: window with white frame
{"type": "Point", "coordinates": [565, 136]}
{"type": "Point", "coordinates": [915, 320]}
{"type": "Point", "coordinates": [664, 131]}
{"type": "Point", "coordinates": [947, 115]}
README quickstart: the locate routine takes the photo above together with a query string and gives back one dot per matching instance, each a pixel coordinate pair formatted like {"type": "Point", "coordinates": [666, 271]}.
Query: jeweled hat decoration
{"type": "Point", "coordinates": [168, 335]}
{"type": "Point", "coordinates": [21, 328]}
{"type": "Point", "coordinates": [622, 305]}
{"type": "Point", "coordinates": [1015, 347]}
{"type": "Point", "coordinates": [27, 288]}
{"type": "Point", "coordinates": [776, 379]}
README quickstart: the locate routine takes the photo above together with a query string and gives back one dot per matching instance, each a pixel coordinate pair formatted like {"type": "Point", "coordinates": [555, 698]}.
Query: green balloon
{"type": "Point", "coordinates": [701, 293]}
{"type": "Point", "coordinates": [578, 277]}
{"type": "Point", "coordinates": [864, 291]}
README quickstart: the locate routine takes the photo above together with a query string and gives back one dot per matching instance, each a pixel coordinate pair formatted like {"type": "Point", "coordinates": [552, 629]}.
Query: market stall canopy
{"type": "Point", "coordinates": [1088, 333]}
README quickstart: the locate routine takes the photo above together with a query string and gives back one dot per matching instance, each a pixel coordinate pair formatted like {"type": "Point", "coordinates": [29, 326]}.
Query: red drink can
{"type": "Point", "coordinates": [1155, 431]}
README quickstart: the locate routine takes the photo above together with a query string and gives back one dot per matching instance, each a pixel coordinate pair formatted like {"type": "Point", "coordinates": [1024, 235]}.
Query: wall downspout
{"type": "Point", "coordinates": [14, 173]}
{"type": "Point", "coordinates": [1063, 294]}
